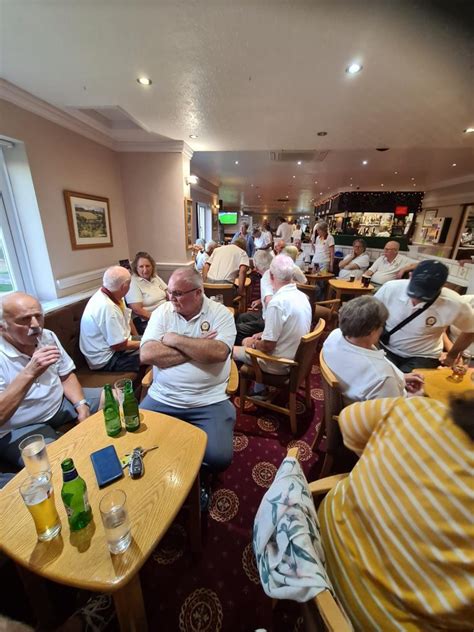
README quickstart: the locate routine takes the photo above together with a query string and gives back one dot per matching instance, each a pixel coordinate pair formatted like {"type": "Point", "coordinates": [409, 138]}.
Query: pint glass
{"type": "Point", "coordinates": [38, 494]}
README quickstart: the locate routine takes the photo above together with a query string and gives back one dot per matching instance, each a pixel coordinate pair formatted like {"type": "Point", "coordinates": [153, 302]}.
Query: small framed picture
{"type": "Point", "coordinates": [188, 222]}
{"type": "Point", "coordinates": [429, 217]}
{"type": "Point", "coordinates": [88, 218]}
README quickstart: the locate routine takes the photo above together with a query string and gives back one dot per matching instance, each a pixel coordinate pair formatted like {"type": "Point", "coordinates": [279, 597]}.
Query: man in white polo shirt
{"type": "Point", "coordinates": [389, 266]}
{"type": "Point", "coordinates": [287, 318]}
{"type": "Point", "coordinates": [284, 231]}
{"type": "Point", "coordinates": [419, 343]}
{"type": "Point", "coordinates": [355, 263]}
{"type": "Point", "coordinates": [188, 341]}
{"type": "Point", "coordinates": [227, 263]}
{"type": "Point", "coordinates": [106, 326]}
{"type": "Point", "coordinates": [38, 390]}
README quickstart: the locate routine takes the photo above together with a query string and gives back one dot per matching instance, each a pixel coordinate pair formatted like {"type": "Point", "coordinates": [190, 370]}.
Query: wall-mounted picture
{"type": "Point", "coordinates": [188, 222]}
{"type": "Point", "coordinates": [429, 217]}
{"type": "Point", "coordinates": [88, 218]}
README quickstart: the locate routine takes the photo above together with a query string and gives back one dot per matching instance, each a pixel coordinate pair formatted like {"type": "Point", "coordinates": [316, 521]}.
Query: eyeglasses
{"type": "Point", "coordinates": [178, 294]}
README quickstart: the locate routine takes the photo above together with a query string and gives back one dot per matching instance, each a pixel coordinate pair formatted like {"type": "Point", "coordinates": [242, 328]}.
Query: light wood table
{"type": "Point", "coordinates": [340, 287]}
{"type": "Point", "coordinates": [321, 276]}
{"type": "Point", "coordinates": [81, 558]}
{"type": "Point", "coordinates": [439, 383]}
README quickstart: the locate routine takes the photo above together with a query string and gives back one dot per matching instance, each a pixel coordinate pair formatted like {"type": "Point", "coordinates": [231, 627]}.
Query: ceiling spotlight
{"type": "Point", "coordinates": [193, 136]}
{"type": "Point", "coordinates": [299, 162]}
{"type": "Point", "coordinates": [354, 68]}
{"type": "Point", "coordinates": [144, 81]}
{"type": "Point", "coordinates": [413, 179]}
{"type": "Point", "coordinates": [351, 184]}
{"type": "Point", "coordinates": [287, 196]}
{"type": "Point", "coordinates": [453, 165]}
{"type": "Point", "coordinates": [381, 185]}
{"type": "Point", "coordinates": [414, 184]}
{"type": "Point", "coordinates": [396, 173]}
{"type": "Point", "coordinates": [322, 133]}
{"type": "Point", "coordinates": [320, 193]}
{"type": "Point", "coordinates": [469, 130]}
{"type": "Point", "coordinates": [365, 162]}
{"type": "Point", "coordinates": [294, 177]}
{"type": "Point", "coordinates": [315, 182]}
{"type": "Point", "coordinates": [236, 162]}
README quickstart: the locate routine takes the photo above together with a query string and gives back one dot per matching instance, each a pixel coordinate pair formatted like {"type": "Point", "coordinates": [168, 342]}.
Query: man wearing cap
{"type": "Point", "coordinates": [419, 343]}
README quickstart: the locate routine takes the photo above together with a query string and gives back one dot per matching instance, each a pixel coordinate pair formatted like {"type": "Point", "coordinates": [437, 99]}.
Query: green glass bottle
{"type": "Point", "coordinates": [130, 409]}
{"type": "Point", "coordinates": [74, 496]}
{"type": "Point", "coordinates": [113, 424]}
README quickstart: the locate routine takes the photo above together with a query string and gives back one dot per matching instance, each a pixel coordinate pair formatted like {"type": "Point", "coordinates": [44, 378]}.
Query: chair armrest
{"type": "Point", "coordinates": [256, 355]}
{"type": "Point", "coordinates": [324, 485]}
{"type": "Point", "coordinates": [233, 383]}
{"type": "Point", "coordinates": [293, 452]}
{"type": "Point", "coordinates": [332, 301]}
{"type": "Point", "coordinates": [334, 618]}
{"type": "Point", "coordinates": [147, 379]}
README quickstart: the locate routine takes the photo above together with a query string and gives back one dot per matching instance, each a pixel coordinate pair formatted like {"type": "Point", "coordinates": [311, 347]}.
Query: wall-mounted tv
{"type": "Point", "coordinates": [228, 217]}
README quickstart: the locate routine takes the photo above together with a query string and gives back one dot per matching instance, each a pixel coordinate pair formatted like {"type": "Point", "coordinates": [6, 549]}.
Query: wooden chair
{"type": "Point", "coordinates": [329, 311]}
{"type": "Point", "coordinates": [333, 404]}
{"type": "Point", "coordinates": [299, 373]}
{"type": "Point", "coordinates": [226, 290]}
{"type": "Point", "coordinates": [333, 616]}
{"type": "Point", "coordinates": [309, 290]}
{"type": "Point", "coordinates": [232, 384]}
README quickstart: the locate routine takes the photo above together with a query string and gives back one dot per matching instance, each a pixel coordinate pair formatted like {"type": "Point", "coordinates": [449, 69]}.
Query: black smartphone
{"type": "Point", "coordinates": [107, 466]}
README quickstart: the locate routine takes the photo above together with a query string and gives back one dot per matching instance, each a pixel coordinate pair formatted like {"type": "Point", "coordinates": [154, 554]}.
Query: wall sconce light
{"type": "Point", "coordinates": [191, 180]}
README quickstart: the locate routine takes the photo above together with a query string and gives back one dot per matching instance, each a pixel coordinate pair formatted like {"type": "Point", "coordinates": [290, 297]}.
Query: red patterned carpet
{"type": "Point", "coordinates": [221, 590]}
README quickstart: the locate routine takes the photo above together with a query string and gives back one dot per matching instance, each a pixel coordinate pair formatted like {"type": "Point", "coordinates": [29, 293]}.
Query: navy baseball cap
{"type": "Point", "coordinates": [427, 279]}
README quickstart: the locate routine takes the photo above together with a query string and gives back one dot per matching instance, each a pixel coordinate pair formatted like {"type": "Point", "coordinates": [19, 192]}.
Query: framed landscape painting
{"type": "Point", "coordinates": [88, 218]}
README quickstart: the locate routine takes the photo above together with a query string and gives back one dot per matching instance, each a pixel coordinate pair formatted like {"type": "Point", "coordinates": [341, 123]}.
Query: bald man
{"type": "Point", "coordinates": [106, 326]}
{"type": "Point", "coordinates": [390, 266]}
{"type": "Point", "coordinates": [38, 390]}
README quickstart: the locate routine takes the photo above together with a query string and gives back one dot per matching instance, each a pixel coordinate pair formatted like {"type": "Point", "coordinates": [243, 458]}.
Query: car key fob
{"type": "Point", "coordinates": [136, 467]}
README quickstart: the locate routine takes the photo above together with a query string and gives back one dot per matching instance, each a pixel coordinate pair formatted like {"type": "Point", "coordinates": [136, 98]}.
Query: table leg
{"type": "Point", "coordinates": [130, 607]}
{"type": "Point", "coordinates": [194, 517]}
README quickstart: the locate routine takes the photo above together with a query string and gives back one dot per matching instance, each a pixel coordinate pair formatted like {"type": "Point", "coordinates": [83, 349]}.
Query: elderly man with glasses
{"type": "Point", "coordinates": [390, 266]}
{"type": "Point", "coordinates": [188, 341]}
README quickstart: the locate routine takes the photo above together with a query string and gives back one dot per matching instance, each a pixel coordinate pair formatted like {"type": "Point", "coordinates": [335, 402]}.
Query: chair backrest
{"type": "Point", "coordinates": [225, 289]}
{"type": "Point", "coordinates": [66, 322]}
{"type": "Point", "coordinates": [309, 290]}
{"type": "Point", "coordinates": [305, 355]}
{"type": "Point", "coordinates": [333, 404]}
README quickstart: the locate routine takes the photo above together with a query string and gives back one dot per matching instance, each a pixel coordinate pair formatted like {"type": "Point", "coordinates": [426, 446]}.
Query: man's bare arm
{"type": "Point", "coordinates": [203, 350]}
{"type": "Point", "coordinates": [161, 355]}
{"type": "Point", "coordinates": [16, 391]}
{"type": "Point", "coordinates": [242, 278]}
{"type": "Point", "coordinates": [461, 343]}
{"type": "Point", "coordinates": [205, 270]}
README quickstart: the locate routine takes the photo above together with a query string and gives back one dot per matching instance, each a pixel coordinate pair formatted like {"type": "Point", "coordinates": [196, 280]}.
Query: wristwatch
{"type": "Point", "coordinates": [81, 403]}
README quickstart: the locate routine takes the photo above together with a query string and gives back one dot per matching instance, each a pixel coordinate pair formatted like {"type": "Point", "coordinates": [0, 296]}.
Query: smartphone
{"type": "Point", "coordinates": [107, 466]}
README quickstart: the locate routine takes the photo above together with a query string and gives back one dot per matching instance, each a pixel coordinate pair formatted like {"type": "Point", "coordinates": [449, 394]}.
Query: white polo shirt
{"type": "Point", "coordinates": [362, 261]}
{"type": "Point", "coordinates": [191, 384]}
{"type": "Point", "coordinates": [103, 324]}
{"type": "Point", "coordinates": [284, 231]}
{"type": "Point", "coordinates": [321, 251]}
{"type": "Point", "coordinates": [151, 293]}
{"type": "Point", "coordinates": [362, 373]}
{"type": "Point", "coordinates": [45, 395]}
{"type": "Point", "coordinates": [264, 240]}
{"type": "Point", "coordinates": [266, 289]}
{"type": "Point", "coordinates": [288, 317]}
{"type": "Point", "coordinates": [384, 270]}
{"type": "Point", "coordinates": [423, 336]}
{"type": "Point", "coordinates": [225, 262]}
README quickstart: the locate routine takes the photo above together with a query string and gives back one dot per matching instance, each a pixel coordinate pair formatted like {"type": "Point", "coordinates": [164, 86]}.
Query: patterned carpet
{"type": "Point", "coordinates": [221, 590]}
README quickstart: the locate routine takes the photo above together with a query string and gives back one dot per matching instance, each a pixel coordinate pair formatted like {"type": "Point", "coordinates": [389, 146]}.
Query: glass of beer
{"type": "Point", "coordinates": [461, 366]}
{"type": "Point", "coordinates": [365, 281]}
{"type": "Point", "coordinates": [33, 452]}
{"type": "Point", "coordinates": [38, 494]}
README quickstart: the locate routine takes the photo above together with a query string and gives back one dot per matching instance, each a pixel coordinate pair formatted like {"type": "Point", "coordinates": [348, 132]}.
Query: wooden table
{"type": "Point", "coordinates": [440, 385]}
{"type": "Point", "coordinates": [321, 276]}
{"type": "Point", "coordinates": [81, 558]}
{"type": "Point", "coordinates": [340, 287]}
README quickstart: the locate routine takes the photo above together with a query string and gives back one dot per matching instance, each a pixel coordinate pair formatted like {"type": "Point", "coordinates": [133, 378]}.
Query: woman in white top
{"type": "Point", "coordinates": [147, 290]}
{"type": "Point", "coordinates": [362, 370]}
{"type": "Point", "coordinates": [323, 247]}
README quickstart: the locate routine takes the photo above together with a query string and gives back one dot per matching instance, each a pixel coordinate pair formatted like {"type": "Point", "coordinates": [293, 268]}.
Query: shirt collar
{"type": "Point", "coordinates": [9, 350]}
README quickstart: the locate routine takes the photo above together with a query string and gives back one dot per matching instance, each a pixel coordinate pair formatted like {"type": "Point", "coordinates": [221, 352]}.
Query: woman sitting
{"type": "Point", "coordinates": [363, 371]}
{"type": "Point", "coordinates": [147, 290]}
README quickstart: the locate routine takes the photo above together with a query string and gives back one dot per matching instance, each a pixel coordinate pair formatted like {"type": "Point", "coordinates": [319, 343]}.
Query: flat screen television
{"type": "Point", "coordinates": [228, 217]}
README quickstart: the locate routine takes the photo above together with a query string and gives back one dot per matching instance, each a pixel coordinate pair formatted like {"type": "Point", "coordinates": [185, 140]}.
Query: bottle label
{"type": "Point", "coordinates": [132, 422]}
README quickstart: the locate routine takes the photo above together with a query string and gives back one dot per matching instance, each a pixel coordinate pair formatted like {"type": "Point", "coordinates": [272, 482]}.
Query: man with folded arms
{"type": "Point", "coordinates": [189, 341]}
{"type": "Point", "coordinates": [38, 390]}
{"type": "Point", "coordinates": [107, 328]}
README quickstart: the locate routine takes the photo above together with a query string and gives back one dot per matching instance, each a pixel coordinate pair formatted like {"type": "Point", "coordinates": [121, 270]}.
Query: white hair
{"type": "Point", "coordinates": [262, 260]}
{"type": "Point", "coordinates": [115, 277]}
{"type": "Point", "coordinates": [282, 268]}
{"type": "Point", "coordinates": [210, 244]}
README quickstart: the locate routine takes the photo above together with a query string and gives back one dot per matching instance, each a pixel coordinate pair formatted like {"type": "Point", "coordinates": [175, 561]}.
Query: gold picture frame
{"type": "Point", "coordinates": [88, 218]}
{"type": "Point", "coordinates": [188, 222]}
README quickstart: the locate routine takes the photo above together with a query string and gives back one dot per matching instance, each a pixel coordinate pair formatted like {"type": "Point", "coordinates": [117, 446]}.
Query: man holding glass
{"type": "Point", "coordinates": [38, 390]}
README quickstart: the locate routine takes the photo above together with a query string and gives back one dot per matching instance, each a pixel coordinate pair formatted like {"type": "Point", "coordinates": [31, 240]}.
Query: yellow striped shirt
{"type": "Point", "coordinates": [399, 531]}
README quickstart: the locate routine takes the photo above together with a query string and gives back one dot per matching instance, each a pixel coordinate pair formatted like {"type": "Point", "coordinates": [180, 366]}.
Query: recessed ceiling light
{"type": "Point", "coordinates": [353, 68]}
{"type": "Point", "coordinates": [453, 165]}
{"type": "Point", "coordinates": [396, 173]}
{"type": "Point", "coordinates": [381, 185]}
{"type": "Point", "coordinates": [322, 133]}
{"type": "Point", "coordinates": [320, 193]}
{"type": "Point", "coordinates": [193, 135]}
{"type": "Point", "coordinates": [413, 179]}
{"type": "Point", "coordinates": [144, 81]}
{"type": "Point", "coordinates": [287, 196]}
{"type": "Point", "coordinates": [414, 184]}
{"type": "Point", "coordinates": [351, 184]}
{"type": "Point", "coordinates": [251, 185]}
{"type": "Point", "coordinates": [469, 130]}
{"type": "Point", "coordinates": [315, 182]}
{"type": "Point", "coordinates": [365, 162]}
{"type": "Point", "coordinates": [294, 177]}
{"type": "Point", "coordinates": [299, 162]}
{"type": "Point", "coordinates": [236, 162]}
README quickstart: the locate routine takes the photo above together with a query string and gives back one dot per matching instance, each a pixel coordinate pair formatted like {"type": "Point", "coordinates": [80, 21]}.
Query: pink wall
{"type": "Point", "coordinates": [60, 159]}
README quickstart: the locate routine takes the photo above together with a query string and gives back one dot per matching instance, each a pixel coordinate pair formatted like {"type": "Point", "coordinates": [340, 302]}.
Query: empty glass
{"type": "Point", "coordinates": [34, 454]}
{"type": "Point", "coordinates": [113, 510]}
{"type": "Point", "coordinates": [119, 387]}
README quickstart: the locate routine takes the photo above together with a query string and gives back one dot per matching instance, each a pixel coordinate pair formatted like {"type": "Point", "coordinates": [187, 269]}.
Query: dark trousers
{"type": "Point", "coordinates": [123, 361]}
{"type": "Point", "coordinates": [406, 365]}
{"type": "Point", "coordinates": [247, 325]}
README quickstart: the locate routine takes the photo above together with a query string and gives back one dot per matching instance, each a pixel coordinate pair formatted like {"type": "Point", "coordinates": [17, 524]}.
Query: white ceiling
{"type": "Point", "coordinates": [252, 76]}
